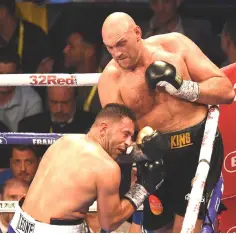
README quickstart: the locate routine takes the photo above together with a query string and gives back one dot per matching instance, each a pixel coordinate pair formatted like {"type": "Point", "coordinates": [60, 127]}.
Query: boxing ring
{"type": "Point", "coordinates": [49, 138]}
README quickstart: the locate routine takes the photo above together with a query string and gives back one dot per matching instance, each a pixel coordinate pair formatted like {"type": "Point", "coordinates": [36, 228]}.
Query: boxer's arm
{"type": "Point", "coordinates": [112, 211]}
{"type": "Point", "coordinates": [108, 89]}
{"type": "Point", "coordinates": [214, 86]}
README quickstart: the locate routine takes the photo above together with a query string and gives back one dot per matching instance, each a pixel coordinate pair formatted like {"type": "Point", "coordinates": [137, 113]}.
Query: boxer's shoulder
{"type": "Point", "coordinates": [170, 41]}
{"type": "Point", "coordinates": [112, 70]}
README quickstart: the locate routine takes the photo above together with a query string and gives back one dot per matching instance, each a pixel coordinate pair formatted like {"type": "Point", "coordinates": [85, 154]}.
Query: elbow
{"type": "Point", "coordinates": [110, 224]}
{"type": "Point", "coordinates": [109, 227]}
{"type": "Point", "coordinates": [230, 97]}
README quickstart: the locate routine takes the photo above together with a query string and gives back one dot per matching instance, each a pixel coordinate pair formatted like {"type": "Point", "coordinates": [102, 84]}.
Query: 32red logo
{"type": "Point", "coordinates": [52, 80]}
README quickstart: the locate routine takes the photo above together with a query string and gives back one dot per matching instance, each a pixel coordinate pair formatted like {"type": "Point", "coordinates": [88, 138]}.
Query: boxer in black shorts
{"type": "Point", "coordinates": [180, 151]}
{"type": "Point", "coordinates": [169, 83]}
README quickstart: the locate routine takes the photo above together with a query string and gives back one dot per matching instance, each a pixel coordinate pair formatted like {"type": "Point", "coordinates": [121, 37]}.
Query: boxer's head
{"type": "Point", "coordinates": [24, 162]}
{"type": "Point", "coordinates": [12, 190]}
{"type": "Point", "coordinates": [114, 127]}
{"type": "Point", "coordinates": [122, 38]}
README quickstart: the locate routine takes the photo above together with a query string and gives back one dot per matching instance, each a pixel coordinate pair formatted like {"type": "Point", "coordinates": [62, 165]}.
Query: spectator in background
{"type": "Point", "coordinates": [12, 190]}
{"type": "Point", "coordinates": [167, 19]}
{"type": "Point", "coordinates": [81, 56]}
{"type": "Point", "coordinates": [27, 39]}
{"type": "Point", "coordinates": [228, 40]}
{"type": "Point", "coordinates": [24, 163]}
{"type": "Point", "coordinates": [19, 102]}
{"type": "Point", "coordinates": [62, 116]}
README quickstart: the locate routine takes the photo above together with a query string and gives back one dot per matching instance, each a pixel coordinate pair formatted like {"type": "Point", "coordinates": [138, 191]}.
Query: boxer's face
{"type": "Point", "coordinates": [61, 102]}
{"type": "Point", "coordinates": [124, 46]}
{"type": "Point", "coordinates": [24, 164]}
{"type": "Point", "coordinates": [7, 68]}
{"type": "Point", "coordinates": [119, 136]}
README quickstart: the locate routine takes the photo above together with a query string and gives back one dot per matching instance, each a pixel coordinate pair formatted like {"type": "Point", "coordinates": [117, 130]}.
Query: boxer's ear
{"type": "Point", "coordinates": [138, 32]}
{"type": "Point", "coordinates": [103, 129]}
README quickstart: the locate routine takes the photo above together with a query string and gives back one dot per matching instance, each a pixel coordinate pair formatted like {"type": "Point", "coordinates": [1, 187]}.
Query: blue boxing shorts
{"type": "Point", "coordinates": [24, 223]}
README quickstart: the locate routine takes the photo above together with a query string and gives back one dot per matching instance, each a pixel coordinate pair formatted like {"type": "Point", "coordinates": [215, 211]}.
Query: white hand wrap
{"type": "Point", "coordinates": [137, 195]}
{"type": "Point", "coordinates": [189, 90]}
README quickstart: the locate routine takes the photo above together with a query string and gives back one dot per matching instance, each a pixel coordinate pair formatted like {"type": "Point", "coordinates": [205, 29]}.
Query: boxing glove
{"type": "Point", "coordinates": [134, 150]}
{"type": "Point", "coordinates": [149, 179]}
{"type": "Point", "coordinates": [164, 74]}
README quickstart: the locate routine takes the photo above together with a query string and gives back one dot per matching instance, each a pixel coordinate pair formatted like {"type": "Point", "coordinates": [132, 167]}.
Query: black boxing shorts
{"type": "Point", "coordinates": [181, 151]}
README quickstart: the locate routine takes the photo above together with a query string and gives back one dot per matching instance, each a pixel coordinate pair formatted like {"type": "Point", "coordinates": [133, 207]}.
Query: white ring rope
{"type": "Point", "coordinates": [195, 199]}
{"type": "Point", "coordinates": [9, 206]}
{"type": "Point", "coordinates": [56, 79]}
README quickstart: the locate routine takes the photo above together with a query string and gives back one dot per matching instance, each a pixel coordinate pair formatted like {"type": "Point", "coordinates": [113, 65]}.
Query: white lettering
{"type": "Point", "coordinates": [233, 161]}
{"type": "Point", "coordinates": [43, 141]}
{"type": "Point", "coordinates": [187, 198]}
{"type": "Point", "coordinates": [50, 142]}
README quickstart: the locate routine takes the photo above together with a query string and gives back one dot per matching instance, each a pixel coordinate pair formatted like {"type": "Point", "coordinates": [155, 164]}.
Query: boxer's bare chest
{"type": "Point", "coordinates": [135, 92]}
{"type": "Point", "coordinates": [154, 108]}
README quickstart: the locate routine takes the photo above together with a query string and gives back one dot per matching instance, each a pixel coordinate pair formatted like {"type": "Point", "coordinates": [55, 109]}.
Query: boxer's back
{"type": "Point", "coordinates": [66, 181]}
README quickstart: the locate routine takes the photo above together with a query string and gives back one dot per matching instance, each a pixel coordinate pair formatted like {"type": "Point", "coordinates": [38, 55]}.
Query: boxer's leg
{"type": "Point", "coordinates": [184, 189]}
{"type": "Point", "coordinates": [178, 222]}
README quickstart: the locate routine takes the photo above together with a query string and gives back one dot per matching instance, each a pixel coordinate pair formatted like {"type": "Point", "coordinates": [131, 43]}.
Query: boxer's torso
{"type": "Point", "coordinates": [158, 109]}
{"type": "Point", "coordinates": [65, 184]}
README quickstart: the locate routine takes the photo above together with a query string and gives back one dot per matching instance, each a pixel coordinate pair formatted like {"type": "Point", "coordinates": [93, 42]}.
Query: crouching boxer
{"type": "Point", "coordinates": [77, 170]}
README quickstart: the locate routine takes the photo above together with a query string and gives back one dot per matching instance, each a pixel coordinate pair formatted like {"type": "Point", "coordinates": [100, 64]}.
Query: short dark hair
{"type": "Point", "coordinates": [229, 28]}
{"type": "Point", "coordinates": [115, 110]}
{"type": "Point", "coordinates": [9, 5]}
{"type": "Point", "coordinates": [8, 55]}
{"type": "Point", "coordinates": [33, 148]}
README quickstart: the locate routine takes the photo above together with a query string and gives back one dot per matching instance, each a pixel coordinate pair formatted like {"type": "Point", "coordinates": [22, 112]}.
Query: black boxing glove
{"type": "Point", "coordinates": [151, 175]}
{"type": "Point", "coordinates": [136, 150]}
{"type": "Point", "coordinates": [149, 179]}
{"type": "Point", "coordinates": [164, 74]}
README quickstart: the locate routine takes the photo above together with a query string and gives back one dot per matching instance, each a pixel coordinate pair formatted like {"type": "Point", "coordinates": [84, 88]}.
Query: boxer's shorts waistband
{"type": "Point", "coordinates": [182, 138]}
{"type": "Point", "coordinates": [24, 223]}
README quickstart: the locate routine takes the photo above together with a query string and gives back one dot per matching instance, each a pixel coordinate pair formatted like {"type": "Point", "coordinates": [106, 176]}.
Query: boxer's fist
{"type": "Point", "coordinates": [150, 175]}
{"type": "Point", "coordinates": [164, 74]}
{"type": "Point", "coordinates": [135, 150]}
{"type": "Point", "coordinates": [146, 131]}
{"type": "Point", "coordinates": [149, 145]}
